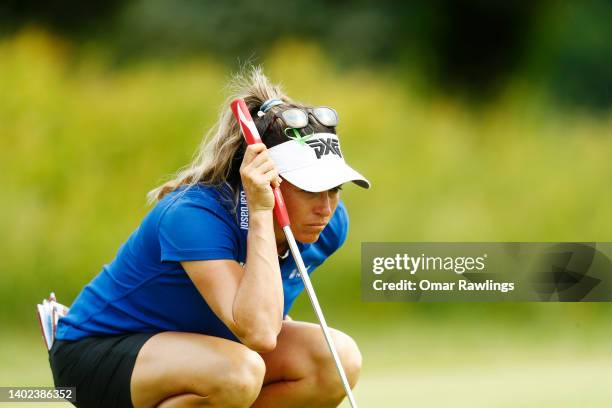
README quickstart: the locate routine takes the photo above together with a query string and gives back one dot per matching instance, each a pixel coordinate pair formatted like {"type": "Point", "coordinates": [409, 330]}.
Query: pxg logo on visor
{"type": "Point", "coordinates": [325, 146]}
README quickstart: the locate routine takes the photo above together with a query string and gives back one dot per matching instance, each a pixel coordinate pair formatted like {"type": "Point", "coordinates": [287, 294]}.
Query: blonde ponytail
{"type": "Point", "coordinates": [213, 160]}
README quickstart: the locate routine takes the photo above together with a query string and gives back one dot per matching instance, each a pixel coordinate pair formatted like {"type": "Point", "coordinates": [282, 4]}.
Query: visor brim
{"type": "Point", "coordinates": [324, 177]}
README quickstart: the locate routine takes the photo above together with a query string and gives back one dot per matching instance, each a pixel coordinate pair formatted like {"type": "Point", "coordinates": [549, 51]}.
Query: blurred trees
{"type": "Point", "coordinates": [81, 145]}
{"type": "Point", "coordinates": [473, 47]}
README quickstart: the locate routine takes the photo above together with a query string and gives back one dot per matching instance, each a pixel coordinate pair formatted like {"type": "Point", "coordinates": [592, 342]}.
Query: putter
{"type": "Point", "coordinates": [251, 135]}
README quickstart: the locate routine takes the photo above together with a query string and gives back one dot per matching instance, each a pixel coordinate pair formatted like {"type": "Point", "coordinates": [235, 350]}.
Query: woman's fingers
{"type": "Point", "coordinates": [251, 152]}
{"type": "Point", "coordinates": [259, 164]}
{"type": "Point", "coordinates": [259, 174]}
{"type": "Point", "coordinates": [265, 179]}
{"type": "Point", "coordinates": [261, 158]}
{"type": "Point", "coordinates": [276, 182]}
{"type": "Point", "coordinates": [264, 167]}
{"type": "Point", "coordinates": [271, 177]}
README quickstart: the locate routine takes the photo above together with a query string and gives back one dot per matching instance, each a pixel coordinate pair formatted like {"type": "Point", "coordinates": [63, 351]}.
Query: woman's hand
{"type": "Point", "coordinates": [259, 174]}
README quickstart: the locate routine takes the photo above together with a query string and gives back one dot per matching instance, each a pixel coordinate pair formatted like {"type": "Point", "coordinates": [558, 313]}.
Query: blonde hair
{"type": "Point", "coordinates": [213, 160]}
{"type": "Point", "coordinates": [220, 153]}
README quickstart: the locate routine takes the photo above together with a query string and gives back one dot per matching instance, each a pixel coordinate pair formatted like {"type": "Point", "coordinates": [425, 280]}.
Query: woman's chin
{"type": "Point", "coordinates": [307, 237]}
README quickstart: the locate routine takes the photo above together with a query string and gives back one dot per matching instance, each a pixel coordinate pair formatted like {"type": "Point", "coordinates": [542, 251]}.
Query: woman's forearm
{"type": "Point", "coordinates": [258, 304]}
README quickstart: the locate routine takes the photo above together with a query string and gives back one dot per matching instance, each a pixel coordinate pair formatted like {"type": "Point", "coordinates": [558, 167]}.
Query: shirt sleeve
{"type": "Point", "coordinates": [192, 231]}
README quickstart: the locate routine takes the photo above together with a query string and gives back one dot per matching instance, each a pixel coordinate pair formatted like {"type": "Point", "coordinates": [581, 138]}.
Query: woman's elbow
{"type": "Point", "coordinates": [260, 342]}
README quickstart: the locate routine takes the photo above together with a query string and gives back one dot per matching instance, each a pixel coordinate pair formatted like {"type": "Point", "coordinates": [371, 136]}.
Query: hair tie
{"type": "Point", "coordinates": [267, 105]}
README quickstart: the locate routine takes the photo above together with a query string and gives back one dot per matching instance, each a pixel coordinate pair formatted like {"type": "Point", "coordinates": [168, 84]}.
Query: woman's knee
{"type": "Point", "coordinates": [240, 382]}
{"type": "Point", "coordinates": [215, 369]}
{"type": "Point", "coordinates": [328, 379]}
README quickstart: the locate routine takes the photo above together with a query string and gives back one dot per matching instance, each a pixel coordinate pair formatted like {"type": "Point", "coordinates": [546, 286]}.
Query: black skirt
{"type": "Point", "coordinates": [99, 367]}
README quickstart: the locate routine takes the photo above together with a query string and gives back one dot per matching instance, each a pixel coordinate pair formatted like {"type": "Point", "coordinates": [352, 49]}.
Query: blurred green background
{"type": "Point", "coordinates": [474, 122]}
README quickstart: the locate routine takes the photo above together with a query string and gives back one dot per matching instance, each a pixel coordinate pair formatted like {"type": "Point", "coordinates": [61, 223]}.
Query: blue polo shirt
{"type": "Point", "coordinates": [145, 288]}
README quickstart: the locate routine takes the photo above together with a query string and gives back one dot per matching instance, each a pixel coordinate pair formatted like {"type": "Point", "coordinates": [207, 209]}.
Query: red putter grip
{"type": "Point", "coordinates": [243, 116]}
{"type": "Point", "coordinates": [280, 211]}
{"type": "Point", "coordinates": [251, 135]}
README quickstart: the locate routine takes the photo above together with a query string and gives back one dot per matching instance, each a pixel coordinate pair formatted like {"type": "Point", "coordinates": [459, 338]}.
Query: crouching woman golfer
{"type": "Point", "coordinates": [192, 312]}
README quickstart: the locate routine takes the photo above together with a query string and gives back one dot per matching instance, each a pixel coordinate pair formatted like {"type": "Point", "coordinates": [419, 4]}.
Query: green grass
{"type": "Point", "coordinates": [463, 364]}
{"type": "Point", "coordinates": [426, 365]}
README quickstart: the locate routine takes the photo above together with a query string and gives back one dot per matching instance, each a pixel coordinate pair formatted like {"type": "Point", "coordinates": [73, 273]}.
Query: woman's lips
{"type": "Point", "coordinates": [317, 225]}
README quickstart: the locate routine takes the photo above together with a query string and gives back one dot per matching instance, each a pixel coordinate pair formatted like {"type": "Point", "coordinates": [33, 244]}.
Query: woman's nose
{"type": "Point", "coordinates": [323, 204]}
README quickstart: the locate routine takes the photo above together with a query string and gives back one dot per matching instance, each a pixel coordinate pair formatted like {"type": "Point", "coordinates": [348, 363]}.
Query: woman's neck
{"type": "Point", "coordinates": [281, 246]}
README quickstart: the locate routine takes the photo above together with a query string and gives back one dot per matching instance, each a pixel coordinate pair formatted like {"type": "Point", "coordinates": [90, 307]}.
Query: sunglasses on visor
{"type": "Point", "coordinates": [298, 118]}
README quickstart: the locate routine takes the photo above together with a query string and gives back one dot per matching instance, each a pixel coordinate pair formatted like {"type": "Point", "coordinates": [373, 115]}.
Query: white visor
{"type": "Point", "coordinates": [315, 163]}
